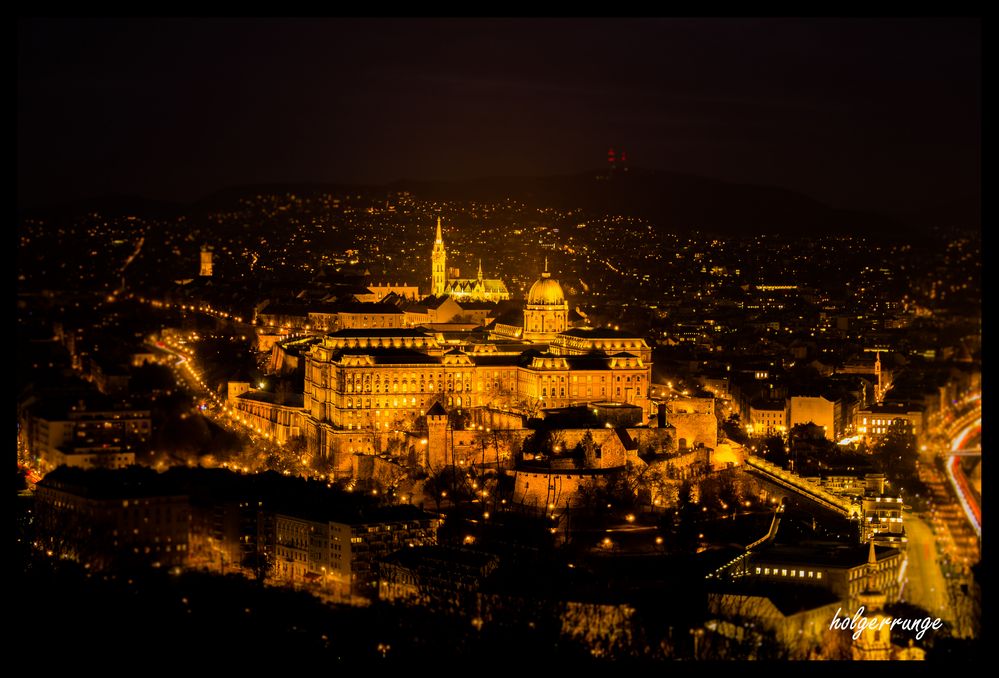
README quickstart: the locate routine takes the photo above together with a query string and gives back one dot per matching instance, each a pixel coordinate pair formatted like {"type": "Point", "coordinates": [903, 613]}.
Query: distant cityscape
{"type": "Point", "coordinates": [569, 429]}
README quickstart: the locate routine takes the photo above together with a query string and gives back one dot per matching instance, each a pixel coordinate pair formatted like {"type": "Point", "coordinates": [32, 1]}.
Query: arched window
{"type": "Point", "coordinates": [458, 401]}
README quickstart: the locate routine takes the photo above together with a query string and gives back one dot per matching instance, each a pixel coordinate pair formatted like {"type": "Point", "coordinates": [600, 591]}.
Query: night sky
{"type": "Point", "coordinates": [874, 114]}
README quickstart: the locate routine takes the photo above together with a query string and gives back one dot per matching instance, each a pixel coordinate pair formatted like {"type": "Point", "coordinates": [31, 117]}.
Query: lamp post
{"type": "Point", "coordinates": [697, 633]}
{"type": "Point", "coordinates": [482, 442]}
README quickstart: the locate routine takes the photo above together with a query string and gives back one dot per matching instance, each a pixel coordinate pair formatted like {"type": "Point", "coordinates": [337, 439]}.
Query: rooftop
{"type": "Point", "coordinates": [134, 481]}
{"type": "Point", "coordinates": [598, 333]}
{"type": "Point", "coordinates": [380, 332]}
{"type": "Point", "coordinates": [287, 399]}
{"type": "Point", "coordinates": [821, 554]}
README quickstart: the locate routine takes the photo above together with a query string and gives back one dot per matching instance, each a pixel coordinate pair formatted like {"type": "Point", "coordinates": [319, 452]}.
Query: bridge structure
{"type": "Point", "coordinates": [808, 489]}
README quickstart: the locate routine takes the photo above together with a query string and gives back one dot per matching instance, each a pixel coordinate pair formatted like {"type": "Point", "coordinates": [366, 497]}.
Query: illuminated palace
{"type": "Point", "coordinates": [364, 385]}
{"type": "Point", "coordinates": [461, 289]}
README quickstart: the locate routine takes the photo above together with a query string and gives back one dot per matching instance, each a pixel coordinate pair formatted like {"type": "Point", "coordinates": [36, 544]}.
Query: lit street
{"type": "Point", "coordinates": [925, 583]}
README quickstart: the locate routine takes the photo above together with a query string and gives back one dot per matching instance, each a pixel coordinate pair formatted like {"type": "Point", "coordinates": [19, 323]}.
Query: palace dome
{"type": "Point", "coordinates": [546, 290]}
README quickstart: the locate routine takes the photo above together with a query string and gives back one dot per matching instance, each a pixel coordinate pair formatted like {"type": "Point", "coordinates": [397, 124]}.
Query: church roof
{"type": "Point", "coordinates": [488, 285]}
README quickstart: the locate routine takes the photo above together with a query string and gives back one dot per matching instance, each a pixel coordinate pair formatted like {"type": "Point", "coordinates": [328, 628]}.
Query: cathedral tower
{"type": "Point", "coordinates": [206, 261]}
{"type": "Point", "coordinates": [438, 276]}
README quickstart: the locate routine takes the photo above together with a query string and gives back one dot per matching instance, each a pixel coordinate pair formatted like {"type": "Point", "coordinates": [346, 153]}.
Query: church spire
{"type": "Point", "coordinates": [438, 276]}
{"type": "Point", "coordinates": [480, 269]}
{"type": "Point", "coordinates": [545, 273]}
{"type": "Point", "coordinates": [872, 569]}
{"type": "Point", "coordinates": [874, 642]}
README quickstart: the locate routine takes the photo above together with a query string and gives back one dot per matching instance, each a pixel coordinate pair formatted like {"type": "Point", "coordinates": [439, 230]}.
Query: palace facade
{"type": "Point", "coordinates": [367, 385]}
{"type": "Point", "coordinates": [362, 383]}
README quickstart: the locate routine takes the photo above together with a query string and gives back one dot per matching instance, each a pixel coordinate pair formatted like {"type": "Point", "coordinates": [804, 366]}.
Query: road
{"type": "Point", "coordinates": [959, 482]}
{"type": "Point", "coordinates": [926, 585]}
{"type": "Point", "coordinates": [262, 445]}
